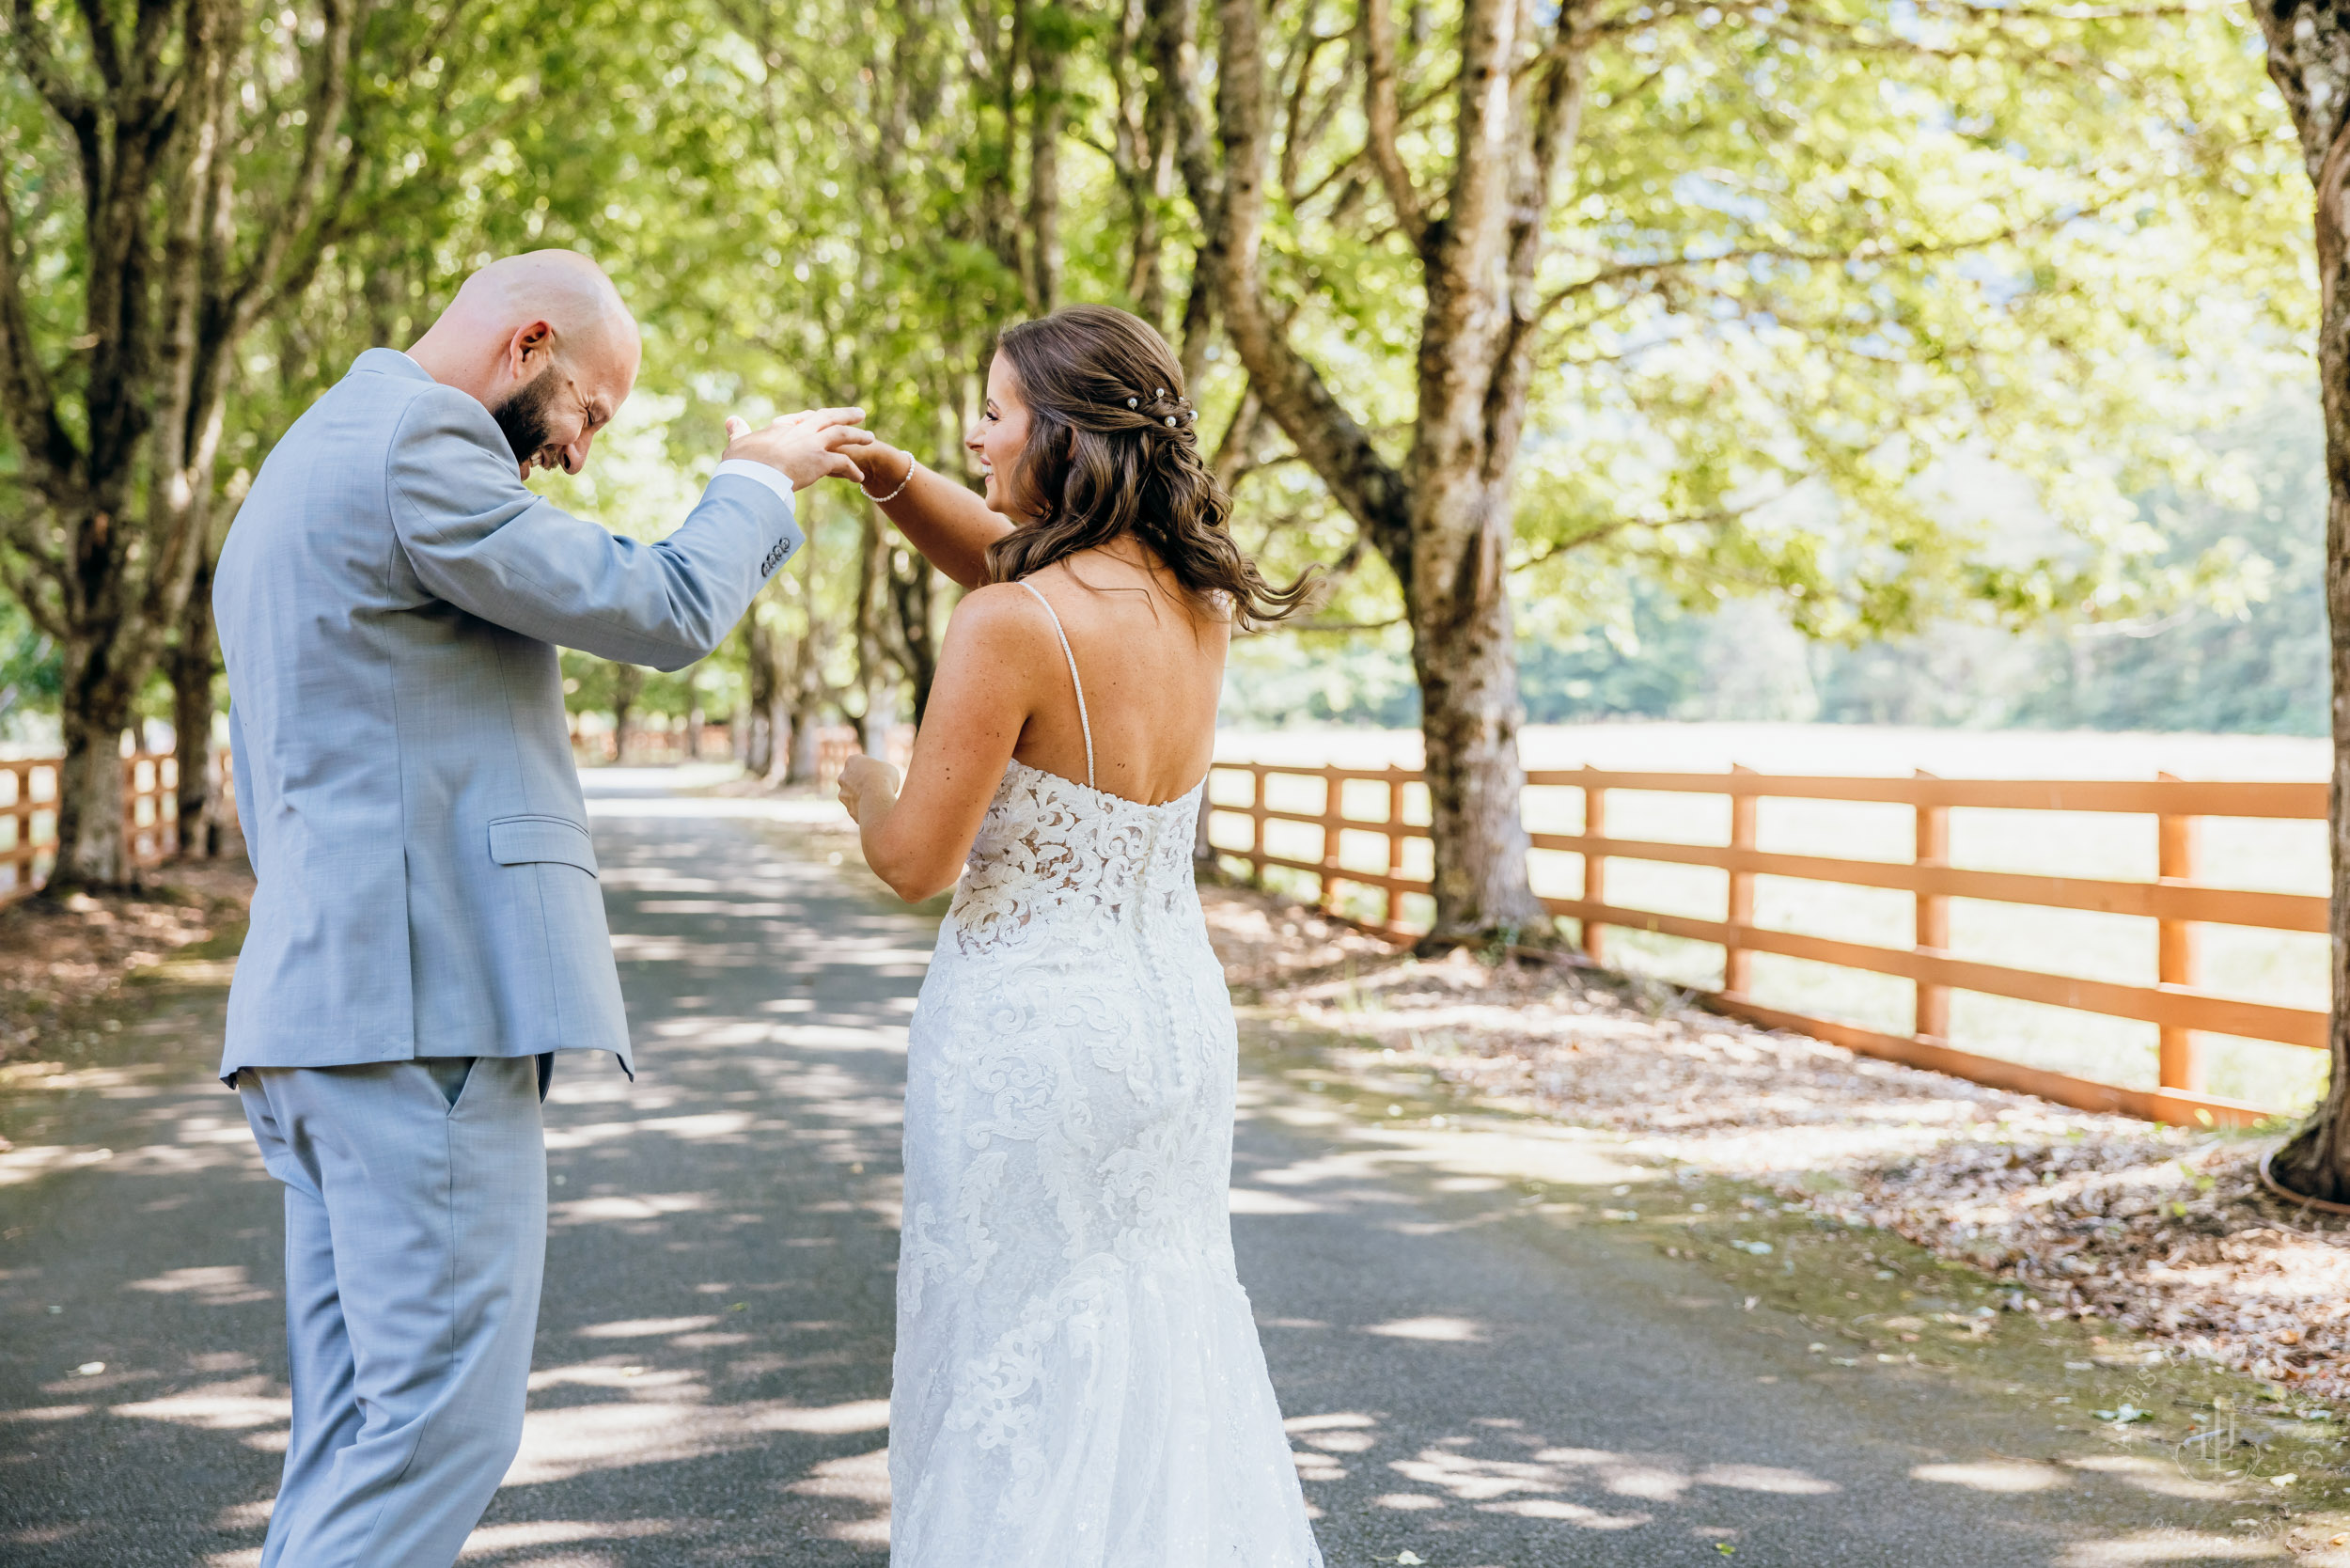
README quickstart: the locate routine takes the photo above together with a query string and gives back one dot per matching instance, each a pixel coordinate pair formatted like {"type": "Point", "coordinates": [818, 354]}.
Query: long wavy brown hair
{"type": "Point", "coordinates": [1112, 451]}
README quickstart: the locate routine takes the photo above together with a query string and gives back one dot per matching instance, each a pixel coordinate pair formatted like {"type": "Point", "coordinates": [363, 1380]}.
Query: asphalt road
{"type": "Point", "coordinates": [1473, 1381]}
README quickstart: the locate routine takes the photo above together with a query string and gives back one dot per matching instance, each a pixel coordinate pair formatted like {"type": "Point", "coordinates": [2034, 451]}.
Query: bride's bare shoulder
{"type": "Point", "coordinates": [1000, 612]}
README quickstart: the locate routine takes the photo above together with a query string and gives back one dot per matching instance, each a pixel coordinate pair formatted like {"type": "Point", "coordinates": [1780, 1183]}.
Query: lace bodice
{"type": "Point", "coordinates": [1054, 854]}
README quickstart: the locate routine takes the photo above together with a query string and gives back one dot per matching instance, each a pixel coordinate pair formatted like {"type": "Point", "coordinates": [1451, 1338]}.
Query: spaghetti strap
{"type": "Point", "coordinates": [1083, 722]}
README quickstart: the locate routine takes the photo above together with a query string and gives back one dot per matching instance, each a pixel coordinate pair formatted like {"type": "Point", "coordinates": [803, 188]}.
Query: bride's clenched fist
{"type": "Point", "coordinates": [867, 785]}
{"type": "Point", "coordinates": [808, 446]}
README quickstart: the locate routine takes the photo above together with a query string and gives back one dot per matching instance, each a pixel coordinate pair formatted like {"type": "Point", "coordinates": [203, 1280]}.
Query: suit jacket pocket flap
{"type": "Point", "coordinates": [519, 841]}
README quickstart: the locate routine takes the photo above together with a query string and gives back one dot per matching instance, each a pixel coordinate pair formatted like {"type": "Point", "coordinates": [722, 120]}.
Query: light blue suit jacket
{"type": "Point", "coordinates": [390, 603]}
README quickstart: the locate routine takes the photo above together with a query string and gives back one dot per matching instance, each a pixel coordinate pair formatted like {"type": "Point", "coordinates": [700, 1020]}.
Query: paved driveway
{"type": "Point", "coordinates": [1473, 1381]}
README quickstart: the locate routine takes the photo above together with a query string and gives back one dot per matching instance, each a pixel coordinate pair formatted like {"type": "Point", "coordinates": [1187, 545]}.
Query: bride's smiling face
{"type": "Point", "coordinates": [998, 438]}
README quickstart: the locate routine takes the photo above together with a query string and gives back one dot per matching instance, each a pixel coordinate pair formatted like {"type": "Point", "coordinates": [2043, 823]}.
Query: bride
{"type": "Point", "coordinates": [1078, 1382]}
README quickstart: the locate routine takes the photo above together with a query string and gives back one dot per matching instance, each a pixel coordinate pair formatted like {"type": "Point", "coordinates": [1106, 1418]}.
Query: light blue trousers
{"type": "Point", "coordinates": [416, 1238]}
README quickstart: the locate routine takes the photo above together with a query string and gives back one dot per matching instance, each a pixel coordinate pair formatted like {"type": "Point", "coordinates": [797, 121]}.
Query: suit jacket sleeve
{"type": "Point", "coordinates": [481, 539]}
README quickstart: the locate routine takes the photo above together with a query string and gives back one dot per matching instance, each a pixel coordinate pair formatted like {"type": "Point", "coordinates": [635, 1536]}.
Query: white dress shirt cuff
{"type": "Point", "coordinates": [774, 478]}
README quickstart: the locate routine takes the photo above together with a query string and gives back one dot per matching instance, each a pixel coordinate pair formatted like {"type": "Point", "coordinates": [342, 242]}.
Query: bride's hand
{"type": "Point", "coordinates": [868, 784]}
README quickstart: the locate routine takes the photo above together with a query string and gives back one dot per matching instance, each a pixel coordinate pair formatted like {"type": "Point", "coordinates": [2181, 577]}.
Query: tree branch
{"type": "Point", "coordinates": [1555, 119]}
{"type": "Point", "coordinates": [58, 89]}
{"type": "Point", "coordinates": [1714, 517]}
{"type": "Point", "coordinates": [194, 225]}
{"type": "Point", "coordinates": [1236, 454]}
{"type": "Point", "coordinates": [41, 434]}
{"type": "Point", "coordinates": [1345, 165]}
{"type": "Point", "coordinates": [1380, 120]}
{"type": "Point", "coordinates": [330, 92]}
{"type": "Point", "coordinates": [105, 47]}
{"type": "Point", "coordinates": [24, 588]}
{"type": "Point", "coordinates": [1864, 250]}
{"type": "Point", "coordinates": [1174, 29]}
{"type": "Point", "coordinates": [1340, 628]}
{"type": "Point", "coordinates": [1338, 448]}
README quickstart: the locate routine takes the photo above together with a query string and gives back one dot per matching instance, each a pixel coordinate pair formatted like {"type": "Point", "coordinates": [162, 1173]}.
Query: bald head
{"type": "Point", "coordinates": [544, 340]}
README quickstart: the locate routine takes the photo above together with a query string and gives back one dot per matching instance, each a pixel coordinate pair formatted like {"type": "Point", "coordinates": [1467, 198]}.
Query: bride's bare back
{"type": "Point", "coordinates": [1152, 662]}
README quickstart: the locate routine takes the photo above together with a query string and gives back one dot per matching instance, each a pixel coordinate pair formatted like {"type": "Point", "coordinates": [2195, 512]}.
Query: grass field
{"type": "Point", "coordinates": [2286, 857]}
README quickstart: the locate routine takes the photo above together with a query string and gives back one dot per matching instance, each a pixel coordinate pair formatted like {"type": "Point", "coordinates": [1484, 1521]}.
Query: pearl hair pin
{"type": "Point", "coordinates": [1133, 402]}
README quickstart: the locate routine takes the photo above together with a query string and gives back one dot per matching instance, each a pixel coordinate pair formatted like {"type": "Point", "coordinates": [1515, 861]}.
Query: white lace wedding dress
{"type": "Point", "coordinates": [1078, 1379]}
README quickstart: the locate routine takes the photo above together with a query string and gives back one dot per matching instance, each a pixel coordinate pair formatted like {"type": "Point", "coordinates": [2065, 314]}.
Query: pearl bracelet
{"type": "Point", "coordinates": [912, 463]}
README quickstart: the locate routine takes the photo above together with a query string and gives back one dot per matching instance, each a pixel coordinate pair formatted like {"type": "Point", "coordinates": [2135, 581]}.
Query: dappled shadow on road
{"type": "Point", "coordinates": [1474, 1376]}
{"type": "Point", "coordinates": [142, 1393]}
{"type": "Point", "coordinates": [711, 1380]}
{"type": "Point", "coordinates": [713, 1373]}
{"type": "Point", "coordinates": [1480, 1368]}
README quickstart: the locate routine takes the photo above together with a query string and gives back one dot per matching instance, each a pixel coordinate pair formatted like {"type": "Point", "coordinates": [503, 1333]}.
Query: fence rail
{"type": "Point", "coordinates": [28, 815]}
{"type": "Point", "coordinates": [2175, 901]}
{"type": "Point", "coordinates": [652, 747]}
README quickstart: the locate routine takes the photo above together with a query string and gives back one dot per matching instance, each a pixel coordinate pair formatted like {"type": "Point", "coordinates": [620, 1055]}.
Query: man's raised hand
{"type": "Point", "coordinates": [806, 446]}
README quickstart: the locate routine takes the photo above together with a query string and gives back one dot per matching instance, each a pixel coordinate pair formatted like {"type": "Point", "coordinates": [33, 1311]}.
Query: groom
{"type": "Point", "coordinates": [428, 930]}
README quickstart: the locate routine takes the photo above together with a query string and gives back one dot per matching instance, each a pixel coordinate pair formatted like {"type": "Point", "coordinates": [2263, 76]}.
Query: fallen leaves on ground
{"type": "Point", "coordinates": [56, 957]}
{"type": "Point", "coordinates": [2164, 1231]}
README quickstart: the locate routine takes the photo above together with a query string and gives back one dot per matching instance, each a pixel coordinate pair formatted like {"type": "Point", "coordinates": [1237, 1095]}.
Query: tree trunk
{"type": "Point", "coordinates": [807, 742]}
{"type": "Point", "coordinates": [806, 705]}
{"type": "Point", "coordinates": [1048, 114]}
{"type": "Point", "coordinates": [627, 681]}
{"type": "Point", "coordinates": [782, 734]}
{"type": "Point", "coordinates": [94, 709]}
{"type": "Point", "coordinates": [2309, 59]}
{"type": "Point", "coordinates": [763, 739]}
{"type": "Point", "coordinates": [913, 591]}
{"type": "Point", "coordinates": [874, 676]}
{"type": "Point", "coordinates": [1145, 157]}
{"type": "Point", "coordinates": [774, 668]}
{"type": "Point", "coordinates": [756, 747]}
{"type": "Point", "coordinates": [192, 665]}
{"type": "Point", "coordinates": [1465, 652]}
{"type": "Point", "coordinates": [1471, 410]}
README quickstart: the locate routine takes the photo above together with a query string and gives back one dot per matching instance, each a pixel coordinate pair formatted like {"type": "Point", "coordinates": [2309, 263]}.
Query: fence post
{"type": "Point", "coordinates": [1256, 823]}
{"type": "Point", "coordinates": [1395, 848]}
{"type": "Point", "coordinates": [1934, 917]}
{"type": "Point", "coordinates": [19, 816]}
{"type": "Point", "coordinates": [2177, 944]}
{"type": "Point", "coordinates": [1737, 963]}
{"type": "Point", "coordinates": [1333, 813]}
{"type": "Point", "coordinates": [132, 794]}
{"type": "Point", "coordinates": [1594, 865]}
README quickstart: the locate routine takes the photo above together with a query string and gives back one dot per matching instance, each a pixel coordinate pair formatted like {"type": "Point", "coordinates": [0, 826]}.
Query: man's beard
{"type": "Point", "coordinates": [524, 416]}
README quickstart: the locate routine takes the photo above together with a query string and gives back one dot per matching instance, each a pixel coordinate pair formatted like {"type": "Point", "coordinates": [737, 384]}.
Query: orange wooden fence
{"type": "Point", "coordinates": [650, 746]}
{"type": "Point", "coordinates": [28, 815]}
{"type": "Point", "coordinates": [836, 746]}
{"type": "Point", "coordinates": [2175, 901]}
{"type": "Point", "coordinates": [836, 743]}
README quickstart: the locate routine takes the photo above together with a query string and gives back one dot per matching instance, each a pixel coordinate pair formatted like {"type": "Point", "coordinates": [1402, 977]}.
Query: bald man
{"type": "Point", "coordinates": [428, 930]}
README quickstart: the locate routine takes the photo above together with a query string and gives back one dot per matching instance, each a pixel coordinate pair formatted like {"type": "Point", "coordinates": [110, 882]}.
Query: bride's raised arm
{"type": "Point", "coordinates": [950, 525]}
